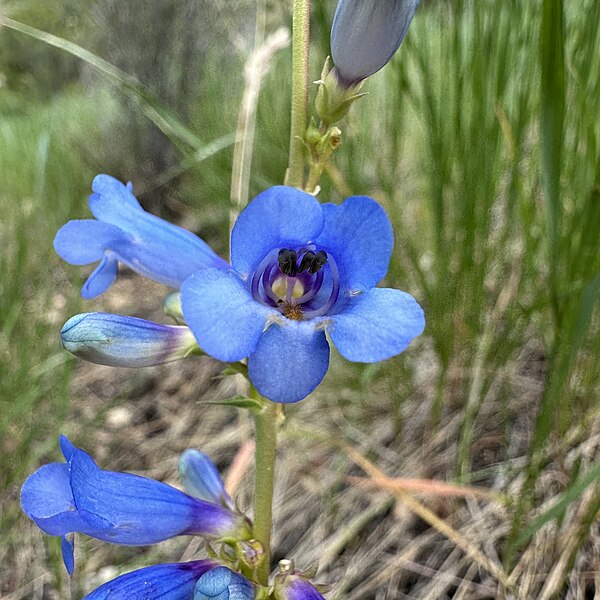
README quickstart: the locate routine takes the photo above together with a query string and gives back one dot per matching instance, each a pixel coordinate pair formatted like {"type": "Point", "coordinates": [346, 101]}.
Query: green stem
{"type": "Point", "coordinates": [265, 422]}
{"type": "Point", "coordinates": [300, 73]}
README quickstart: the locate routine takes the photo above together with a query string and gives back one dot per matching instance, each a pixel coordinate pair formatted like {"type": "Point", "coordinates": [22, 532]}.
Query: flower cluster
{"type": "Point", "coordinates": [300, 272]}
{"type": "Point", "coordinates": [79, 497]}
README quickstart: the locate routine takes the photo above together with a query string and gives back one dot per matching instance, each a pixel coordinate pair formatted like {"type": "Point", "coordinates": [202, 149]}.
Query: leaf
{"type": "Point", "coordinates": [239, 402]}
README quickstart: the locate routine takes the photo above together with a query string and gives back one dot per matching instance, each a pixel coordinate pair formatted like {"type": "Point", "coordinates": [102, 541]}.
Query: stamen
{"type": "Point", "coordinates": [268, 280]}
{"type": "Point", "coordinates": [319, 260]}
{"type": "Point", "coordinates": [306, 261]}
{"type": "Point", "coordinates": [333, 297]}
{"type": "Point", "coordinates": [287, 261]}
{"type": "Point", "coordinates": [312, 262]}
{"type": "Point", "coordinates": [312, 290]}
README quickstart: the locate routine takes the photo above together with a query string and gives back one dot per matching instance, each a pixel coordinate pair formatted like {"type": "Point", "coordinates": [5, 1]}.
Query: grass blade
{"type": "Point", "coordinates": [148, 103]}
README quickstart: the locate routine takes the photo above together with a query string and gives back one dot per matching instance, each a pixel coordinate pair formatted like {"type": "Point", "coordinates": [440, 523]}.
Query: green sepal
{"type": "Point", "coordinates": [172, 307]}
{"type": "Point", "coordinates": [334, 100]}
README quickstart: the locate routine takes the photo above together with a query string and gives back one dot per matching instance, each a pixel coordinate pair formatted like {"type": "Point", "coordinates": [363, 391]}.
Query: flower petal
{"type": "Point", "coordinates": [376, 325]}
{"type": "Point", "coordinates": [84, 241]}
{"type": "Point", "coordinates": [223, 584]}
{"type": "Point", "coordinates": [129, 509]}
{"type": "Point", "coordinates": [66, 447]}
{"type": "Point", "coordinates": [112, 201]}
{"type": "Point", "coordinates": [101, 278]}
{"type": "Point", "coordinates": [67, 545]}
{"type": "Point", "coordinates": [225, 319]}
{"type": "Point", "coordinates": [47, 499]}
{"type": "Point", "coordinates": [358, 234]}
{"type": "Point", "coordinates": [278, 217]}
{"type": "Point", "coordinates": [201, 478]}
{"type": "Point", "coordinates": [120, 341]}
{"type": "Point", "coordinates": [290, 360]}
{"type": "Point", "coordinates": [165, 582]}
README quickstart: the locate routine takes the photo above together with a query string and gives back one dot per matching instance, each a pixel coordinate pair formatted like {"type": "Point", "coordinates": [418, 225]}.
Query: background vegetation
{"type": "Point", "coordinates": [481, 139]}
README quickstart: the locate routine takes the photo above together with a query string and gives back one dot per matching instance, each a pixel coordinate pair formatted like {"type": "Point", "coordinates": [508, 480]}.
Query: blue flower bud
{"type": "Point", "coordinates": [366, 34]}
{"type": "Point", "coordinates": [201, 478]}
{"type": "Point", "coordinates": [120, 341]}
{"type": "Point", "coordinates": [223, 584]}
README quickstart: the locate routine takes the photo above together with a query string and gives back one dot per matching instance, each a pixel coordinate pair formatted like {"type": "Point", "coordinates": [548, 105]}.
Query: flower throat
{"type": "Point", "coordinates": [296, 282]}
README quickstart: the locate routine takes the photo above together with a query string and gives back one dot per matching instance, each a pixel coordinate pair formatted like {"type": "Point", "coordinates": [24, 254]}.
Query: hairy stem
{"type": "Point", "coordinates": [300, 79]}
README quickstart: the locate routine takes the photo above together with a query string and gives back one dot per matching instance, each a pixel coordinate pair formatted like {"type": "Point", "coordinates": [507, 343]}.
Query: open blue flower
{"type": "Point", "coordinates": [78, 496]}
{"type": "Point", "coordinates": [300, 272]}
{"type": "Point", "coordinates": [124, 232]}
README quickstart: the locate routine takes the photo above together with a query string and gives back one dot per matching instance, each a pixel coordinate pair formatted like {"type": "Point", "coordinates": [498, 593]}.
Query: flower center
{"type": "Point", "coordinates": [301, 283]}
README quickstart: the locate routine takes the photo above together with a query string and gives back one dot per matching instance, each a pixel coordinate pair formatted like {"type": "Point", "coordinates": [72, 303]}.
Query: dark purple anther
{"type": "Point", "coordinates": [287, 261]}
{"type": "Point", "coordinates": [318, 261]}
{"type": "Point", "coordinates": [306, 262]}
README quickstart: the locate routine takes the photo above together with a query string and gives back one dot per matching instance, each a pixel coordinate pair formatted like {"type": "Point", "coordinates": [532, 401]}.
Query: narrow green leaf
{"type": "Point", "coordinates": [552, 114]}
{"type": "Point", "coordinates": [239, 402]}
{"type": "Point", "coordinates": [558, 509]}
{"type": "Point", "coordinates": [147, 101]}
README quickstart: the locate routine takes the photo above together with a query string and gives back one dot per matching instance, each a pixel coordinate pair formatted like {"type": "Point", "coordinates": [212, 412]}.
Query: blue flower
{"type": "Point", "coordinates": [300, 272]}
{"type": "Point", "coordinates": [78, 496]}
{"type": "Point", "coordinates": [196, 580]}
{"type": "Point", "coordinates": [366, 34]}
{"type": "Point", "coordinates": [165, 582]}
{"type": "Point", "coordinates": [124, 232]}
{"type": "Point", "coordinates": [120, 341]}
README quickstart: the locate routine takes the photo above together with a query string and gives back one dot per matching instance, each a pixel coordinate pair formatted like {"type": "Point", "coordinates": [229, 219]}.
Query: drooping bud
{"type": "Point", "coordinates": [366, 34]}
{"type": "Point", "coordinates": [120, 341]}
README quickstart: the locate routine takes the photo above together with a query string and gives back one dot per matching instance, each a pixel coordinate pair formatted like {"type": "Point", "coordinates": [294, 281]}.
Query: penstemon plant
{"type": "Point", "coordinates": [302, 274]}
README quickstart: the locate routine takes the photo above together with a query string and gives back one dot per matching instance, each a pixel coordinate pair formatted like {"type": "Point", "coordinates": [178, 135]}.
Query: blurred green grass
{"type": "Point", "coordinates": [482, 141]}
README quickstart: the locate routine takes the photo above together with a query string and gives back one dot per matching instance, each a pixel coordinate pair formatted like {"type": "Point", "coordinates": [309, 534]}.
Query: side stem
{"type": "Point", "coordinates": [265, 422]}
{"type": "Point", "coordinates": [300, 73]}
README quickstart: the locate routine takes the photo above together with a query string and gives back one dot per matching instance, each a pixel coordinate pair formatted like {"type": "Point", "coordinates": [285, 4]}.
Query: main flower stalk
{"type": "Point", "coordinates": [265, 421]}
{"type": "Point", "coordinates": [300, 79]}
